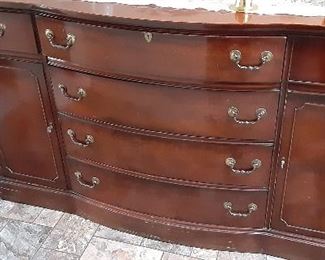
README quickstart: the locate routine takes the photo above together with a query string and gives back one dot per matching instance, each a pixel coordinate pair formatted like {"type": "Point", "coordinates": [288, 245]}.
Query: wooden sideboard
{"type": "Point", "coordinates": [195, 127]}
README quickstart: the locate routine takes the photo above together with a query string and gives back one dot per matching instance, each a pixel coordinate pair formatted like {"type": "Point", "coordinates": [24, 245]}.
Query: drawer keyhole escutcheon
{"type": "Point", "coordinates": [94, 181]}
{"type": "Point", "coordinates": [81, 93]}
{"type": "Point", "coordinates": [70, 40]}
{"type": "Point", "coordinates": [236, 56]}
{"type": "Point", "coordinates": [2, 29]}
{"type": "Point", "coordinates": [283, 163]}
{"type": "Point", "coordinates": [250, 209]}
{"type": "Point", "coordinates": [88, 140]}
{"type": "Point", "coordinates": [234, 112]}
{"type": "Point", "coordinates": [148, 36]}
{"type": "Point", "coordinates": [50, 128]}
{"type": "Point", "coordinates": [231, 163]}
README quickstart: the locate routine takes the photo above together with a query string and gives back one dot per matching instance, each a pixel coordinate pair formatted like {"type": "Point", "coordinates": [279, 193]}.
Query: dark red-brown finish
{"type": "Point", "coordinates": [300, 206]}
{"type": "Point", "coordinates": [173, 159]}
{"type": "Point", "coordinates": [158, 113]}
{"type": "Point", "coordinates": [167, 200]}
{"type": "Point", "coordinates": [308, 59]}
{"type": "Point", "coordinates": [18, 33]}
{"type": "Point", "coordinates": [197, 58]}
{"type": "Point", "coordinates": [169, 109]}
{"type": "Point", "coordinates": [27, 149]}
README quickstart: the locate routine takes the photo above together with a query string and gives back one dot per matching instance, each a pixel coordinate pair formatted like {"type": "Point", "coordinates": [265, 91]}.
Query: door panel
{"type": "Point", "coordinates": [27, 148]}
{"type": "Point", "coordinates": [301, 179]}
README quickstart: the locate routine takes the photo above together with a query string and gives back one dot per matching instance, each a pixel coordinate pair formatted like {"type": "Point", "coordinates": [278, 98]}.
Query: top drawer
{"type": "Point", "coordinates": [308, 60]}
{"type": "Point", "coordinates": [16, 33]}
{"type": "Point", "coordinates": [162, 56]}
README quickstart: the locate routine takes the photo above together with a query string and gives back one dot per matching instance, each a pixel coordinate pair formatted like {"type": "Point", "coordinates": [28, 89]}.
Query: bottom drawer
{"type": "Point", "coordinates": [207, 206]}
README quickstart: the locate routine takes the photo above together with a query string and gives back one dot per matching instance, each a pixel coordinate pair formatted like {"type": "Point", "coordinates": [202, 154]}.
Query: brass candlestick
{"type": "Point", "coordinates": [243, 6]}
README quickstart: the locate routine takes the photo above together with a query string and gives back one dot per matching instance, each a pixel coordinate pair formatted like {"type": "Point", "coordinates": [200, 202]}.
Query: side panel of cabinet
{"type": "Point", "coordinates": [28, 148]}
{"type": "Point", "coordinates": [300, 189]}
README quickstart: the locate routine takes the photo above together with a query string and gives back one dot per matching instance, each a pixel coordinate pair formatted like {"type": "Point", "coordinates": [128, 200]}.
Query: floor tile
{"type": "Point", "coordinates": [49, 254]}
{"type": "Point", "coordinates": [181, 250]}
{"type": "Point", "coordinates": [205, 254]}
{"type": "Point", "coordinates": [108, 233]}
{"type": "Point", "coordinates": [171, 256]}
{"type": "Point", "coordinates": [19, 211]}
{"type": "Point", "coordinates": [225, 255]}
{"type": "Point", "coordinates": [156, 244]}
{"type": "Point", "coordinates": [103, 249]}
{"type": "Point", "coordinates": [5, 206]}
{"type": "Point", "coordinates": [71, 234]}
{"type": "Point", "coordinates": [20, 240]}
{"type": "Point", "coordinates": [48, 217]}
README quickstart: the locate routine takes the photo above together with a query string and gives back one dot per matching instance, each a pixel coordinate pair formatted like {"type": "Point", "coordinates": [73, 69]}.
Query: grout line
{"type": "Point", "coordinates": [83, 251]}
{"type": "Point", "coordinates": [217, 257]}
{"type": "Point", "coordinates": [38, 213]}
{"type": "Point", "coordinates": [142, 240]}
{"type": "Point", "coordinates": [51, 229]}
{"type": "Point", "coordinates": [8, 221]}
{"type": "Point", "coordinates": [25, 222]}
{"type": "Point", "coordinates": [59, 251]}
{"type": "Point", "coordinates": [162, 256]}
{"type": "Point", "coordinates": [142, 245]}
{"type": "Point", "coordinates": [123, 232]}
{"type": "Point", "coordinates": [93, 235]}
{"type": "Point", "coordinates": [168, 251]}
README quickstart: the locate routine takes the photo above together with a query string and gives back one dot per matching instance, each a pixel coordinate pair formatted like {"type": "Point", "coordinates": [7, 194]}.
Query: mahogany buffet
{"type": "Point", "coordinates": [195, 127]}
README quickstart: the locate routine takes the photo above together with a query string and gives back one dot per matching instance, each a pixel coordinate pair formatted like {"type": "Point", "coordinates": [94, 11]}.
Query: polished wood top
{"type": "Point", "coordinates": [157, 17]}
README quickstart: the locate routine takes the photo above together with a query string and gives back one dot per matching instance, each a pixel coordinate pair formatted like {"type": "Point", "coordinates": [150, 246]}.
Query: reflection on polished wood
{"type": "Point", "coordinates": [197, 127]}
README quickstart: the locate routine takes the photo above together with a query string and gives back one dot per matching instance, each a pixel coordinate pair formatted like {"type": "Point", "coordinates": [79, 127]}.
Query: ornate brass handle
{"type": "Point", "coordinates": [235, 56]}
{"type": "Point", "coordinates": [94, 181]}
{"type": "Point", "coordinates": [233, 112]}
{"type": "Point", "coordinates": [255, 164]}
{"type": "Point", "coordinates": [251, 208]}
{"type": "Point", "coordinates": [80, 94]}
{"type": "Point", "coordinates": [70, 40]}
{"type": "Point", "coordinates": [89, 139]}
{"type": "Point", "coordinates": [2, 29]}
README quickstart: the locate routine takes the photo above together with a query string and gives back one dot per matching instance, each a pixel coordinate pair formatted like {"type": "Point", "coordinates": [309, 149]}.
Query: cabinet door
{"type": "Point", "coordinates": [28, 145]}
{"type": "Point", "coordinates": [300, 188]}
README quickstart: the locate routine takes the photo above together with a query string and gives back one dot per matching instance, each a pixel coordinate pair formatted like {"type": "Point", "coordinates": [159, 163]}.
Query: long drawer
{"type": "Point", "coordinates": [194, 162]}
{"type": "Point", "coordinates": [162, 56]}
{"type": "Point", "coordinates": [16, 33]}
{"type": "Point", "coordinates": [197, 205]}
{"type": "Point", "coordinates": [167, 109]}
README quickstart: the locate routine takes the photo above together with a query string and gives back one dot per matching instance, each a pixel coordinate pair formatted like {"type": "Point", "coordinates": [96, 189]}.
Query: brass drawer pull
{"type": "Point", "coordinates": [2, 29]}
{"type": "Point", "coordinates": [70, 40]}
{"type": "Point", "coordinates": [235, 56]}
{"type": "Point", "coordinates": [255, 164]}
{"type": "Point", "coordinates": [251, 208]}
{"type": "Point", "coordinates": [94, 181]}
{"type": "Point", "coordinates": [89, 139]}
{"type": "Point", "coordinates": [80, 94]}
{"type": "Point", "coordinates": [233, 112]}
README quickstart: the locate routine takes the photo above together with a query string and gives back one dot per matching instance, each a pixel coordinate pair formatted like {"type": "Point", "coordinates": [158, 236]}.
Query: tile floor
{"type": "Point", "coordinates": [28, 232]}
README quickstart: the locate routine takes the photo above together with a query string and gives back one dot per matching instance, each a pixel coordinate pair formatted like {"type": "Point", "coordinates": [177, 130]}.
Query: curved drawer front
{"type": "Point", "coordinates": [167, 109]}
{"type": "Point", "coordinates": [167, 200]}
{"type": "Point", "coordinates": [168, 159]}
{"type": "Point", "coordinates": [16, 33]}
{"type": "Point", "coordinates": [162, 56]}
